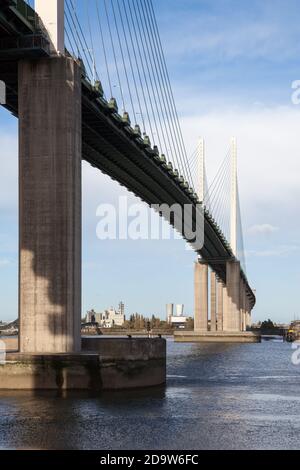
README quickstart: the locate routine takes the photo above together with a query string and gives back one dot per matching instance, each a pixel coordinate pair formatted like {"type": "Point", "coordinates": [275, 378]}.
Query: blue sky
{"type": "Point", "coordinates": [231, 64]}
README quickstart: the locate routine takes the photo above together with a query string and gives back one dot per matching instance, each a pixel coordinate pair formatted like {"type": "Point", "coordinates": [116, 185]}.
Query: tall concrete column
{"type": "Point", "coordinates": [232, 297]}
{"type": "Point", "coordinates": [213, 301]}
{"type": "Point", "coordinates": [50, 205]}
{"type": "Point", "coordinates": [220, 289]}
{"type": "Point", "coordinates": [248, 313]}
{"type": "Point", "coordinates": [201, 297]}
{"type": "Point", "coordinates": [243, 306]}
{"type": "Point", "coordinates": [249, 319]}
{"type": "Point", "coordinates": [225, 308]}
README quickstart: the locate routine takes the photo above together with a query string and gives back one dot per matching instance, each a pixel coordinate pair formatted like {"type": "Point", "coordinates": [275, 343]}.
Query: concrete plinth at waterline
{"type": "Point", "coordinates": [130, 362]}
{"type": "Point", "coordinates": [103, 364]}
{"type": "Point", "coordinates": [11, 343]}
{"type": "Point", "coordinates": [215, 337]}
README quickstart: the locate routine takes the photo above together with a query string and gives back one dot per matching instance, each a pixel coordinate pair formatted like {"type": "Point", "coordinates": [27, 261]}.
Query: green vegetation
{"type": "Point", "coordinates": [139, 322]}
{"type": "Point", "coordinates": [267, 325]}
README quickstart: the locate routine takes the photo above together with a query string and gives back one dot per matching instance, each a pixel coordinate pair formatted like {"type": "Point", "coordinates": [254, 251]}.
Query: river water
{"type": "Point", "coordinates": [216, 397]}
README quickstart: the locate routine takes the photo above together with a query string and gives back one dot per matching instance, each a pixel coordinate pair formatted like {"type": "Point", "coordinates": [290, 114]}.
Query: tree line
{"type": "Point", "coordinates": [139, 322]}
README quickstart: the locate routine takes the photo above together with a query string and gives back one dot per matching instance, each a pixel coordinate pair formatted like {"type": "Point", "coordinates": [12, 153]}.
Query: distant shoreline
{"type": "Point", "coordinates": [111, 333]}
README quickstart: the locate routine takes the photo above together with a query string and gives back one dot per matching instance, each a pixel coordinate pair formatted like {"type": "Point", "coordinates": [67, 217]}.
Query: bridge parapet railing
{"type": "Point", "coordinates": [27, 11]}
{"type": "Point", "coordinates": [30, 42]}
{"type": "Point", "coordinates": [24, 10]}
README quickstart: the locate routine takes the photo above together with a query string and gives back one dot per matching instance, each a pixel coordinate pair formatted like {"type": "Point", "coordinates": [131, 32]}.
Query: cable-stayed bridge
{"type": "Point", "coordinates": [89, 80]}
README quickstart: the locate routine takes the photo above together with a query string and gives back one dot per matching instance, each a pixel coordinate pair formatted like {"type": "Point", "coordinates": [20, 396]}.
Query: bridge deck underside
{"type": "Point", "coordinates": [115, 150]}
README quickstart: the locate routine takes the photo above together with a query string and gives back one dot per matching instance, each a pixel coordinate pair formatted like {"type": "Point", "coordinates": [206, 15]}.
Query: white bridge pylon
{"type": "Point", "coordinates": [52, 16]}
{"type": "Point", "coordinates": [200, 183]}
{"type": "Point", "coordinates": [221, 306]}
{"type": "Point", "coordinates": [233, 197]}
{"type": "Point", "coordinates": [202, 190]}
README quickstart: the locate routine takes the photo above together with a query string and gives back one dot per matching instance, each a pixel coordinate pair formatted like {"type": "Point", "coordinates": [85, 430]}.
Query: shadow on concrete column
{"type": "Point", "coordinates": [231, 298]}
{"type": "Point", "coordinates": [220, 289]}
{"type": "Point", "coordinates": [243, 305]}
{"type": "Point", "coordinates": [50, 205]}
{"type": "Point", "coordinates": [248, 312]}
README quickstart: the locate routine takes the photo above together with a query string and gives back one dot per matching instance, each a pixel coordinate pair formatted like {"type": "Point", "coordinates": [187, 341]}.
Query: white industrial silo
{"type": "Point", "coordinates": [170, 308]}
{"type": "Point", "coordinates": [179, 310]}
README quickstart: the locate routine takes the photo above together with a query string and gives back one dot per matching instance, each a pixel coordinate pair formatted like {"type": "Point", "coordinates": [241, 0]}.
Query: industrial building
{"type": "Point", "coordinates": [109, 318]}
{"type": "Point", "coordinates": [176, 319]}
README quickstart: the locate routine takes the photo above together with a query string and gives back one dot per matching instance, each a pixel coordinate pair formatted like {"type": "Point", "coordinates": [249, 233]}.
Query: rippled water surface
{"type": "Point", "coordinates": [216, 397]}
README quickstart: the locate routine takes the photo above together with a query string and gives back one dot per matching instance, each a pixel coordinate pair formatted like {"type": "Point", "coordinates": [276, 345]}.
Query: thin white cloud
{"type": "Point", "coordinates": [271, 33]}
{"type": "Point", "coordinates": [4, 263]}
{"type": "Point", "coordinates": [246, 41]}
{"type": "Point", "coordinates": [280, 251]}
{"type": "Point", "coordinates": [262, 229]}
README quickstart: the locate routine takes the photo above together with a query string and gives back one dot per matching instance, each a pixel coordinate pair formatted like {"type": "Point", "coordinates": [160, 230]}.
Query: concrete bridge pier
{"type": "Point", "coordinates": [227, 302]}
{"type": "Point", "coordinates": [248, 312]}
{"type": "Point", "coordinates": [50, 205]}
{"type": "Point", "coordinates": [213, 301]}
{"type": "Point", "coordinates": [50, 142]}
{"type": "Point", "coordinates": [231, 297]}
{"type": "Point", "coordinates": [220, 294]}
{"type": "Point", "coordinates": [201, 296]}
{"type": "Point", "coordinates": [243, 305]}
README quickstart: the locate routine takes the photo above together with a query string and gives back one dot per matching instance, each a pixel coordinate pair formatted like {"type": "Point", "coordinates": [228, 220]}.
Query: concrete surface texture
{"type": "Point", "coordinates": [220, 289]}
{"type": "Point", "coordinates": [232, 297]}
{"type": "Point", "coordinates": [201, 296]}
{"type": "Point", "coordinates": [50, 205]}
{"type": "Point", "coordinates": [213, 302]}
{"type": "Point", "coordinates": [216, 337]}
{"type": "Point", "coordinates": [104, 364]}
{"type": "Point", "coordinates": [11, 343]}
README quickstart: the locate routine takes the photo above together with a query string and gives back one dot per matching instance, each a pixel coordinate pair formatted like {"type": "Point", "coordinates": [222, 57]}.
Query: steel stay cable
{"type": "Point", "coordinates": [137, 67]}
{"type": "Point", "coordinates": [163, 81]}
{"type": "Point", "coordinates": [168, 124]}
{"type": "Point", "coordinates": [169, 88]}
{"type": "Point", "coordinates": [114, 55]}
{"type": "Point", "coordinates": [123, 59]}
{"type": "Point", "coordinates": [138, 30]}
{"type": "Point", "coordinates": [131, 67]}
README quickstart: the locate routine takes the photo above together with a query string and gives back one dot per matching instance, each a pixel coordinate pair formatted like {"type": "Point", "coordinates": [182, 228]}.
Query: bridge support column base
{"type": "Point", "coordinates": [231, 298]}
{"type": "Point", "coordinates": [220, 295]}
{"type": "Point", "coordinates": [215, 337]}
{"type": "Point", "coordinates": [201, 297]}
{"type": "Point", "coordinates": [105, 364]}
{"type": "Point", "coordinates": [50, 205]}
{"type": "Point", "coordinates": [213, 302]}
{"type": "Point", "coordinates": [248, 320]}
